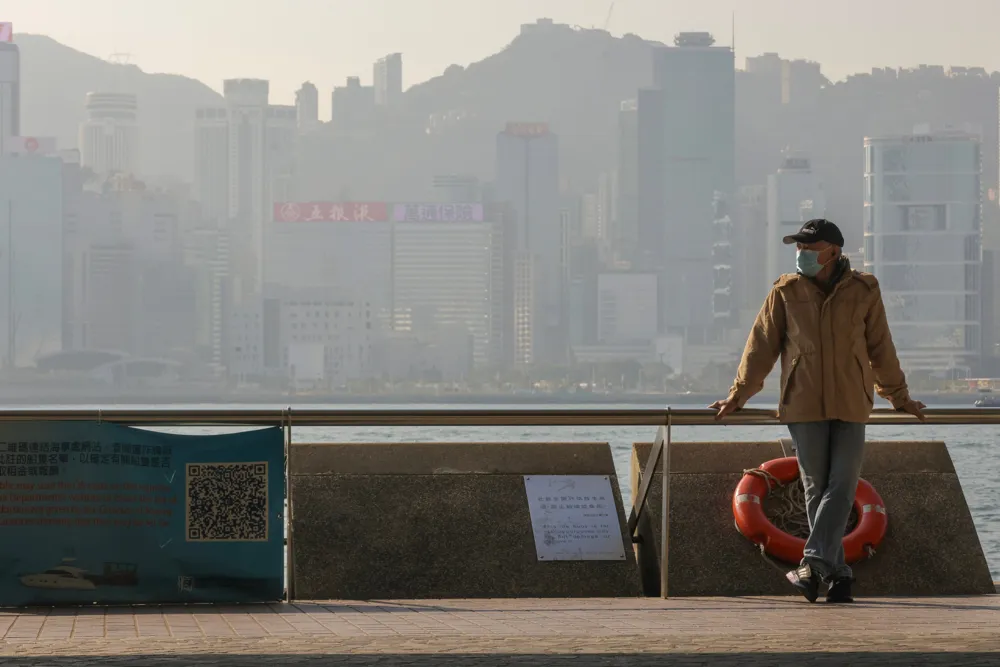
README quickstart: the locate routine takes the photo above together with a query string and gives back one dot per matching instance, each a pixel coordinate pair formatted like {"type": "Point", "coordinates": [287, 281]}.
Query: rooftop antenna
{"type": "Point", "coordinates": [733, 38]}
{"type": "Point", "coordinates": [123, 59]}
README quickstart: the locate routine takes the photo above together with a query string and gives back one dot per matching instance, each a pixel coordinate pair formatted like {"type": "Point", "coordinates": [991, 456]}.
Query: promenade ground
{"type": "Point", "coordinates": [447, 633]}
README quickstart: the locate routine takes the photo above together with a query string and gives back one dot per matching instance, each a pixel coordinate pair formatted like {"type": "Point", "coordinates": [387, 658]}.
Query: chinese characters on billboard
{"type": "Point", "coordinates": [331, 212]}
{"type": "Point", "coordinates": [437, 213]}
{"type": "Point", "coordinates": [376, 212]}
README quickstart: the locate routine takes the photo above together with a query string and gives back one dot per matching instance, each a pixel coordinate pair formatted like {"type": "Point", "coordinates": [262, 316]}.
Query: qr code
{"type": "Point", "coordinates": [227, 502]}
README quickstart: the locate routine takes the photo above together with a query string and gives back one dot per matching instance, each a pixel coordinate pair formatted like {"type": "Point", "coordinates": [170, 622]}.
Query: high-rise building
{"type": "Point", "coordinates": [626, 308]}
{"type": "Point", "coordinates": [246, 148]}
{"type": "Point", "coordinates": [211, 165]}
{"type": "Point", "coordinates": [388, 80]}
{"type": "Point", "coordinates": [109, 137]}
{"type": "Point", "coordinates": [698, 144]}
{"type": "Point", "coordinates": [307, 106]}
{"type": "Point", "coordinates": [525, 308]}
{"type": "Point", "coordinates": [650, 158]}
{"type": "Point", "coordinates": [722, 264]}
{"type": "Point", "coordinates": [457, 188]}
{"type": "Point", "coordinates": [583, 277]}
{"type": "Point", "coordinates": [353, 257]}
{"type": "Point", "coordinates": [795, 83]}
{"type": "Point", "coordinates": [625, 236]}
{"type": "Point", "coordinates": [441, 277]}
{"type": "Point", "coordinates": [246, 104]}
{"type": "Point", "coordinates": [794, 195]}
{"type": "Point", "coordinates": [922, 222]}
{"type": "Point", "coordinates": [590, 218]}
{"type": "Point", "coordinates": [527, 177]}
{"type": "Point", "coordinates": [352, 107]}
{"type": "Point", "coordinates": [316, 337]}
{"type": "Point", "coordinates": [31, 257]}
{"type": "Point", "coordinates": [129, 288]}
{"type": "Point", "coordinates": [279, 170]}
{"type": "Point", "coordinates": [750, 283]}
{"type": "Point", "coordinates": [10, 93]}
{"type": "Point", "coordinates": [206, 254]}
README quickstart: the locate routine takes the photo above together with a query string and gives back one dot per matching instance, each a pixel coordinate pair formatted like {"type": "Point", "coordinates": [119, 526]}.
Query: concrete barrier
{"type": "Point", "coordinates": [931, 547]}
{"type": "Point", "coordinates": [442, 520]}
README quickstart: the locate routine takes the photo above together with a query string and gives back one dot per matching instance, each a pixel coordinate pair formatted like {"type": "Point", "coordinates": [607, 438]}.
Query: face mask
{"type": "Point", "coordinates": [807, 262]}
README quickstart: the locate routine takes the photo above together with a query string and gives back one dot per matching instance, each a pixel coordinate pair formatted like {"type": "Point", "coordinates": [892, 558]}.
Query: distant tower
{"type": "Point", "coordinates": [10, 93]}
{"type": "Point", "coordinates": [307, 106]}
{"type": "Point", "coordinates": [527, 178]}
{"type": "Point", "coordinates": [246, 100]}
{"type": "Point", "coordinates": [697, 147]}
{"type": "Point", "coordinates": [211, 163]}
{"type": "Point", "coordinates": [351, 107]}
{"type": "Point", "coordinates": [244, 162]}
{"type": "Point", "coordinates": [388, 80]}
{"type": "Point", "coordinates": [109, 137]}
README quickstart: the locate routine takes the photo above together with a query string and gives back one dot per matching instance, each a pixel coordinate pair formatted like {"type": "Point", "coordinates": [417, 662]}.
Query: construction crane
{"type": "Point", "coordinates": [607, 19]}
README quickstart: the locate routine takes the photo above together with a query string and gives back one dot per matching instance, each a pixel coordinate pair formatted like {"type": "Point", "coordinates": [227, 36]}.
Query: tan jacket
{"type": "Point", "coordinates": [832, 348]}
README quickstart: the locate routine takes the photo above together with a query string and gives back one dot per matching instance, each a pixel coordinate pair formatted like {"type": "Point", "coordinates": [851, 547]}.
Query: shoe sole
{"type": "Point", "coordinates": [810, 593]}
{"type": "Point", "coordinates": [807, 593]}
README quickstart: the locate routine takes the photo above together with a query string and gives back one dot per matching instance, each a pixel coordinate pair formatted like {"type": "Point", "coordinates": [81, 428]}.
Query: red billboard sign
{"type": "Point", "coordinates": [31, 146]}
{"type": "Point", "coordinates": [331, 212]}
{"type": "Point", "coordinates": [6, 32]}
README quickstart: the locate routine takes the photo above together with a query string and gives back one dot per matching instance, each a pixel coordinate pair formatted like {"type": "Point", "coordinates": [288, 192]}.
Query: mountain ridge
{"type": "Point", "coordinates": [56, 78]}
{"type": "Point", "coordinates": [574, 79]}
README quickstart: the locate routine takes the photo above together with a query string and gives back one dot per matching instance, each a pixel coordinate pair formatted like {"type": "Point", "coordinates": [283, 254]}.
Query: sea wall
{"type": "Point", "coordinates": [439, 520]}
{"type": "Point", "coordinates": [931, 547]}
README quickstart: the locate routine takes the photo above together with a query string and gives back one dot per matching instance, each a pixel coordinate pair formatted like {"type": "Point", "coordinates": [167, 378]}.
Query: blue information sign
{"type": "Point", "coordinates": [102, 513]}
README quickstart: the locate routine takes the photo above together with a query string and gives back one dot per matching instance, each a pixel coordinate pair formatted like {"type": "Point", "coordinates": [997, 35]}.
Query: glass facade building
{"type": "Point", "coordinates": [922, 230]}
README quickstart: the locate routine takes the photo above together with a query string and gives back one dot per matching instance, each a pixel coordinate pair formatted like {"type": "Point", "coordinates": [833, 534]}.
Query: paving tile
{"type": "Point", "coordinates": [525, 633]}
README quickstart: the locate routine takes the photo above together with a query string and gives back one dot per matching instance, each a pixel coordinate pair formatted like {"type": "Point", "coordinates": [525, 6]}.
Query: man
{"type": "Point", "coordinates": [828, 325]}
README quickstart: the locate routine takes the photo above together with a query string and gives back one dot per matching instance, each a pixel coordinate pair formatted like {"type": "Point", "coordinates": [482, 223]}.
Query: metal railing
{"type": "Point", "coordinates": [663, 418]}
{"type": "Point", "coordinates": [557, 416]}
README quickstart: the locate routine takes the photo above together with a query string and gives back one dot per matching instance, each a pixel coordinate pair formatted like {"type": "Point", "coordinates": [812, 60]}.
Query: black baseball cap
{"type": "Point", "coordinates": [817, 230]}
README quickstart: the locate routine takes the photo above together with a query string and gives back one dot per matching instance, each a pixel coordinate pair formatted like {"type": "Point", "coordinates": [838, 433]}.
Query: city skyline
{"type": "Point", "coordinates": [576, 200]}
{"type": "Point", "coordinates": [179, 38]}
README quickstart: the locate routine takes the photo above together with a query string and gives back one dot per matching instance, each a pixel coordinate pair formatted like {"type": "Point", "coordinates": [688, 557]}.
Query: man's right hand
{"type": "Point", "coordinates": [724, 407]}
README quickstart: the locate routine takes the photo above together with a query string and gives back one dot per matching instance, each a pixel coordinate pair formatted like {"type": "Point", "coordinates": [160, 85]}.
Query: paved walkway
{"type": "Point", "coordinates": [449, 633]}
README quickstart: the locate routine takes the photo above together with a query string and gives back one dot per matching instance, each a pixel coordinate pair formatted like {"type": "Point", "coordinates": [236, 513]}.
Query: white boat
{"type": "Point", "coordinates": [64, 577]}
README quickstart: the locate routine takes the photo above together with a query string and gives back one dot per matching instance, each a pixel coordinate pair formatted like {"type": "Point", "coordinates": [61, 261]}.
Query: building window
{"type": "Point", "coordinates": [972, 252]}
{"type": "Point", "coordinates": [972, 278]}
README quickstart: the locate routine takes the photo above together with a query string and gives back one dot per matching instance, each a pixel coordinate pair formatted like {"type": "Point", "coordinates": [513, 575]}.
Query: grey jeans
{"type": "Point", "coordinates": [829, 454]}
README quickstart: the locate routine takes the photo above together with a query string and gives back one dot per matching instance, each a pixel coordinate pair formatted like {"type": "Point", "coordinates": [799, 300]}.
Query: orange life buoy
{"type": "Point", "coordinates": [753, 524]}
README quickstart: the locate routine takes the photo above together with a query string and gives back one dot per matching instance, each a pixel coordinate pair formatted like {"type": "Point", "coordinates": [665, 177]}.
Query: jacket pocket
{"type": "Point", "coordinates": [864, 381]}
{"type": "Point", "coordinates": [783, 400]}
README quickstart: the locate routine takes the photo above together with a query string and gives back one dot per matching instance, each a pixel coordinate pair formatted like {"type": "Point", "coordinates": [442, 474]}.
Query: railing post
{"type": "Point", "coordinates": [665, 520]}
{"type": "Point", "coordinates": [287, 521]}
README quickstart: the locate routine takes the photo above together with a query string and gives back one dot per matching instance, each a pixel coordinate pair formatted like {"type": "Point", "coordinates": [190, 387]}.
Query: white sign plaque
{"type": "Point", "coordinates": [574, 517]}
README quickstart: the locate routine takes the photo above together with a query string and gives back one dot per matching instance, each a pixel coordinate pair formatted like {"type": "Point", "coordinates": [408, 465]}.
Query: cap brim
{"type": "Point", "coordinates": [798, 238]}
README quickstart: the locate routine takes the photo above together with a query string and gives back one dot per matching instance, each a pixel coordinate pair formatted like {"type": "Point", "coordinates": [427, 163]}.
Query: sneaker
{"type": "Point", "coordinates": [840, 590]}
{"type": "Point", "coordinates": [804, 580]}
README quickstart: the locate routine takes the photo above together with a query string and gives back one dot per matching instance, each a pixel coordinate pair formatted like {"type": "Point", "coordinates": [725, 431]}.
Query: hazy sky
{"type": "Point", "coordinates": [290, 41]}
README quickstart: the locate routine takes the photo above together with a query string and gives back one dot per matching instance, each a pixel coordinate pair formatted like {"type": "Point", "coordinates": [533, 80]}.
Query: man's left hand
{"type": "Point", "coordinates": [915, 408]}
